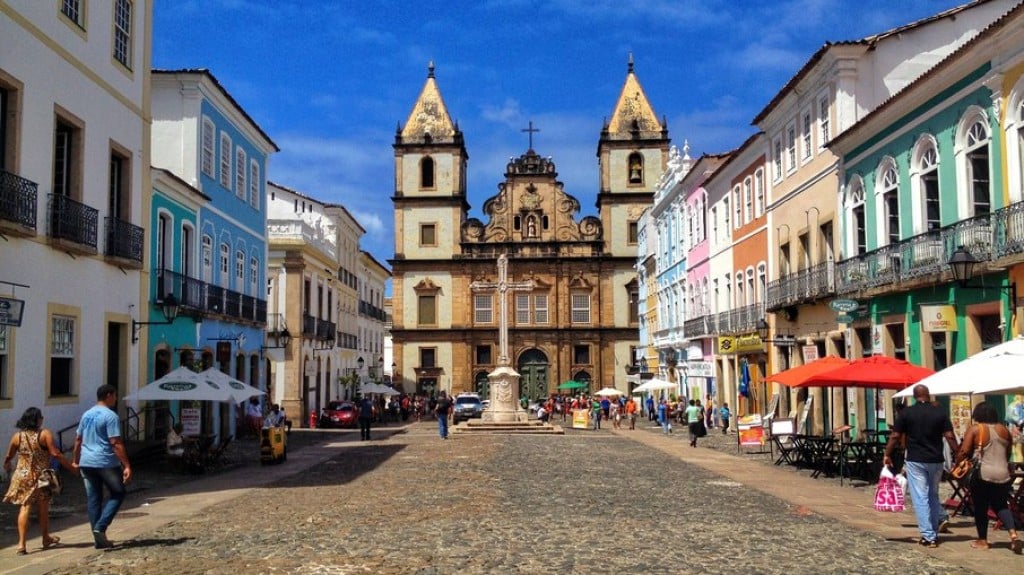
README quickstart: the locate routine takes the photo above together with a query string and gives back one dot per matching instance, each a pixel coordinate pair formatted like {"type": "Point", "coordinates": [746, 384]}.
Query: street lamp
{"type": "Point", "coordinates": [169, 307]}
{"type": "Point", "coordinates": [962, 262]}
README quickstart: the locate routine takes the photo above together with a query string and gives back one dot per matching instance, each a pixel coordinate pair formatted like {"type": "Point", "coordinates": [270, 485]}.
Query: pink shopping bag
{"type": "Point", "coordinates": [889, 493]}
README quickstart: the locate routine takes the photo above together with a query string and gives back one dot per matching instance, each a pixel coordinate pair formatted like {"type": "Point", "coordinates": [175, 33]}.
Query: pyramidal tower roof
{"type": "Point", "coordinates": [633, 112]}
{"type": "Point", "coordinates": [429, 119]}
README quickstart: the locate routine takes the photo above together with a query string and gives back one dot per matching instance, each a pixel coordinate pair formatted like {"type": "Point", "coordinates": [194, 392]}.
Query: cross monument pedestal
{"type": "Point", "coordinates": [504, 380]}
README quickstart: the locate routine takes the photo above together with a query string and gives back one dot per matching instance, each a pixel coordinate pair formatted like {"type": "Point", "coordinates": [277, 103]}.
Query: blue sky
{"type": "Point", "coordinates": [331, 80]}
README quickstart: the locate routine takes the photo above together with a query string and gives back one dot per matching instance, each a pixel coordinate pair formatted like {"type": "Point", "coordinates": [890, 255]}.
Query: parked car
{"type": "Point", "coordinates": [339, 414]}
{"type": "Point", "coordinates": [467, 406]}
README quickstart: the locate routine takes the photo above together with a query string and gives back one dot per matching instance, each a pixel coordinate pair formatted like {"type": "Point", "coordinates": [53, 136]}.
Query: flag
{"type": "Point", "coordinates": [745, 379]}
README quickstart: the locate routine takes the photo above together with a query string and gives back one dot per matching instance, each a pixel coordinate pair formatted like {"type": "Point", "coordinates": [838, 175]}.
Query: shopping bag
{"type": "Point", "coordinates": [889, 493]}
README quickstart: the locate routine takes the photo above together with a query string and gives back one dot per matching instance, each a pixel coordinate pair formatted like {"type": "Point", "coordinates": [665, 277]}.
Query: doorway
{"type": "Point", "coordinates": [533, 374]}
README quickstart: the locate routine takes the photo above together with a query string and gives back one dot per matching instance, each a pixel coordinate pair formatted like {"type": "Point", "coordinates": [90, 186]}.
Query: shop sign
{"type": "Point", "coordinates": [938, 318]}
{"type": "Point", "coordinates": [844, 305]}
{"type": "Point", "coordinates": [10, 311]}
{"type": "Point", "coordinates": [740, 344]}
{"type": "Point", "coordinates": [699, 369]}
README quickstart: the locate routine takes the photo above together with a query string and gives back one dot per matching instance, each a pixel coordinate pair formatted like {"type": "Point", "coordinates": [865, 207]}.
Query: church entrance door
{"type": "Point", "coordinates": [533, 374]}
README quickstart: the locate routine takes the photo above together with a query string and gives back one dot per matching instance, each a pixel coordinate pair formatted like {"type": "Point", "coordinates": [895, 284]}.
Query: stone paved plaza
{"type": "Point", "coordinates": [585, 502]}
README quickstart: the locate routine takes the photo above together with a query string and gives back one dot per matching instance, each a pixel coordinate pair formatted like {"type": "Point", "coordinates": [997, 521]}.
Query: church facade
{"type": "Point", "coordinates": [573, 312]}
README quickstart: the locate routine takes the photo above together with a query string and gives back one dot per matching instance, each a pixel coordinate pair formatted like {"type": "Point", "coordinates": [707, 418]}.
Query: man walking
{"type": "Point", "coordinates": [365, 418]}
{"type": "Point", "coordinates": [923, 425]}
{"type": "Point", "coordinates": [442, 409]}
{"type": "Point", "coordinates": [101, 458]}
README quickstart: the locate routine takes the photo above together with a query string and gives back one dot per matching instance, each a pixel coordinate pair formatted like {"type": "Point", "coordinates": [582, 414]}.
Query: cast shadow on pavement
{"type": "Point", "coordinates": [152, 542]}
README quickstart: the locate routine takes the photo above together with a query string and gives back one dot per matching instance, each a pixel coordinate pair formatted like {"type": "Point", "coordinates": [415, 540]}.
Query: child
{"type": "Point", "coordinates": [725, 414]}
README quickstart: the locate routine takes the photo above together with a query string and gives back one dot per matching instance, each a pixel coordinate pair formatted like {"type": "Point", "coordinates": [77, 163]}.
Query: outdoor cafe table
{"type": "Point", "coordinates": [861, 459]}
{"type": "Point", "coordinates": [818, 453]}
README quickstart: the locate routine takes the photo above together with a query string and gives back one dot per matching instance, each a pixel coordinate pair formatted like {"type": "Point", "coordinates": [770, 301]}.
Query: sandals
{"type": "Point", "coordinates": [53, 541]}
{"type": "Point", "coordinates": [22, 551]}
{"type": "Point", "coordinates": [1016, 546]}
{"type": "Point", "coordinates": [926, 543]}
{"type": "Point", "coordinates": [979, 544]}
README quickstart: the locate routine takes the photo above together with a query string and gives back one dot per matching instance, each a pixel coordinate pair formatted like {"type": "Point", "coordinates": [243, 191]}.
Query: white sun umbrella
{"type": "Point", "coordinates": [997, 369]}
{"type": "Point", "coordinates": [182, 384]}
{"type": "Point", "coordinates": [238, 389]}
{"type": "Point", "coordinates": [660, 385]}
{"type": "Point", "coordinates": [610, 391]}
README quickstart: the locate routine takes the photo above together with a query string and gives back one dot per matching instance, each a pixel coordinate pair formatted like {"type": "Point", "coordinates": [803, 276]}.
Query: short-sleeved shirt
{"type": "Point", "coordinates": [692, 414]}
{"type": "Point", "coordinates": [923, 424]}
{"type": "Point", "coordinates": [98, 425]}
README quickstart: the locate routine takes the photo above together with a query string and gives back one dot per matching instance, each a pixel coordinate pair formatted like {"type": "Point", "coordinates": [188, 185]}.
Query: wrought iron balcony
{"type": "Point", "coordinates": [325, 330]}
{"type": "Point", "coordinates": [806, 285]}
{"type": "Point", "coordinates": [741, 320]}
{"type": "Point", "coordinates": [73, 224]}
{"type": "Point", "coordinates": [698, 326]}
{"type": "Point", "coordinates": [124, 241]}
{"type": "Point", "coordinates": [17, 204]}
{"type": "Point", "coordinates": [308, 326]}
{"type": "Point", "coordinates": [919, 258]}
{"type": "Point", "coordinates": [1008, 231]}
{"type": "Point", "coordinates": [203, 298]}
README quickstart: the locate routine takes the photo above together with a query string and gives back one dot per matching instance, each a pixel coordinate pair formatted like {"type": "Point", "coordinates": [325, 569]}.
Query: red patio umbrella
{"type": "Point", "coordinates": [877, 371]}
{"type": "Point", "coordinates": [801, 373]}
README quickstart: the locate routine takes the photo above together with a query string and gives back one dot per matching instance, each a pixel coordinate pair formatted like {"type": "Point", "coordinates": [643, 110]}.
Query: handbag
{"type": "Point", "coordinates": [49, 481]}
{"type": "Point", "coordinates": [889, 493]}
{"type": "Point", "coordinates": [969, 468]}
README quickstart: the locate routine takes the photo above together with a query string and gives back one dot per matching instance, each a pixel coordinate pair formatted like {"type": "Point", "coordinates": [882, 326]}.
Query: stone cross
{"type": "Point", "coordinates": [531, 130]}
{"type": "Point", "coordinates": [502, 286]}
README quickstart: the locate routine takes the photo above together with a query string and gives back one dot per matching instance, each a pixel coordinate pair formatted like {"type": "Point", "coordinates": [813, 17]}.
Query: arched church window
{"type": "Point", "coordinates": [544, 222]}
{"type": "Point", "coordinates": [427, 172]}
{"type": "Point", "coordinates": [636, 168]}
{"type": "Point", "coordinates": [517, 223]}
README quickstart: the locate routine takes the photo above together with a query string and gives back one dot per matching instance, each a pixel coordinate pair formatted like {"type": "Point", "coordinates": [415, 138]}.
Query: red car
{"type": "Point", "coordinates": [339, 414]}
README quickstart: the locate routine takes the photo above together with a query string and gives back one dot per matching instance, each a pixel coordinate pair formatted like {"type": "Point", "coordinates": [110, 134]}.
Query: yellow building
{"type": "Point", "coordinates": [578, 321]}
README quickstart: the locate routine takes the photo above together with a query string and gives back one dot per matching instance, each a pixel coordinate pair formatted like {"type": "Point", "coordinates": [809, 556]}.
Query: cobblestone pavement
{"type": "Point", "coordinates": [585, 502]}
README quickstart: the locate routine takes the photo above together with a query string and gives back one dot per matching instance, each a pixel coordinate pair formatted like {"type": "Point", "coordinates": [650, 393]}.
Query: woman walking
{"type": "Point", "coordinates": [992, 487]}
{"type": "Point", "coordinates": [34, 447]}
{"type": "Point", "coordinates": [693, 419]}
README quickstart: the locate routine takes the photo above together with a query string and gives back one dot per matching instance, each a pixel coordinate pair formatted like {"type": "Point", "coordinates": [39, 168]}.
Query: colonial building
{"type": "Point", "coordinates": [574, 313]}
{"type": "Point", "coordinates": [74, 202]}
{"type": "Point", "coordinates": [213, 264]}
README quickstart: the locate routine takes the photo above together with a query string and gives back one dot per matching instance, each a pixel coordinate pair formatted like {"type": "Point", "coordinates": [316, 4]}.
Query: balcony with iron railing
{"type": "Point", "coordinates": [807, 285]}
{"type": "Point", "coordinates": [17, 204]}
{"type": "Point", "coordinates": [924, 257]}
{"type": "Point", "coordinates": [1008, 231]}
{"type": "Point", "coordinates": [698, 326]}
{"type": "Point", "coordinates": [124, 241]}
{"type": "Point", "coordinates": [202, 298]}
{"type": "Point", "coordinates": [325, 330]}
{"type": "Point", "coordinates": [74, 226]}
{"type": "Point", "coordinates": [308, 326]}
{"type": "Point", "coordinates": [741, 320]}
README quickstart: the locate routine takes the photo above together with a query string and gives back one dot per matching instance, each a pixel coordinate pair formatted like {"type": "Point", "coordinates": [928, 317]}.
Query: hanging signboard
{"type": "Point", "coordinates": [10, 311]}
{"type": "Point", "coordinates": [699, 369]}
{"type": "Point", "coordinates": [740, 344]}
{"type": "Point", "coordinates": [938, 318]}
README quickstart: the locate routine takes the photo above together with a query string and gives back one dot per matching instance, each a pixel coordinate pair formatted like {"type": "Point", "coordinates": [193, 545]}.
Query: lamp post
{"type": "Point", "coordinates": [169, 307]}
{"type": "Point", "coordinates": [961, 263]}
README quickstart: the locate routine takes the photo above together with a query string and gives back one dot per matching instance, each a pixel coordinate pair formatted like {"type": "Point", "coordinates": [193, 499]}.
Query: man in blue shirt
{"type": "Point", "coordinates": [101, 458]}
